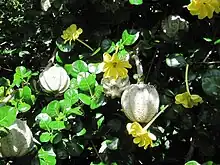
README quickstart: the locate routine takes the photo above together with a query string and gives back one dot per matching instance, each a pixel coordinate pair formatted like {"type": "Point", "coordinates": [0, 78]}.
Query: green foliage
{"type": "Point", "coordinates": [83, 125]}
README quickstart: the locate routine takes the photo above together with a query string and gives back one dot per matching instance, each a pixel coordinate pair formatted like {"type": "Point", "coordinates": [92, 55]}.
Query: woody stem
{"type": "Point", "coordinates": [155, 117]}
{"type": "Point", "coordinates": [85, 44]}
{"type": "Point", "coordinates": [186, 78]}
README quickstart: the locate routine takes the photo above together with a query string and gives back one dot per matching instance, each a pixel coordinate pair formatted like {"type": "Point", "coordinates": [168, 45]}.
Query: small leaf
{"type": "Point", "coordinates": [76, 67]}
{"type": "Point", "coordinates": [57, 125]}
{"type": "Point", "coordinates": [27, 95]}
{"type": "Point", "coordinates": [95, 68]}
{"type": "Point", "coordinates": [47, 157]}
{"type": "Point", "coordinates": [72, 95]}
{"type": "Point", "coordinates": [7, 115]}
{"type": "Point", "coordinates": [176, 60]}
{"type": "Point", "coordinates": [64, 47]}
{"type": "Point", "coordinates": [65, 104]}
{"type": "Point", "coordinates": [20, 70]}
{"type": "Point", "coordinates": [108, 45]}
{"type": "Point", "coordinates": [2, 91]}
{"type": "Point", "coordinates": [86, 81]}
{"type": "Point", "coordinates": [53, 108]}
{"type": "Point", "coordinates": [58, 58]}
{"type": "Point", "coordinates": [85, 98]}
{"type": "Point", "coordinates": [208, 39]}
{"type": "Point", "coordinates": [82, 132]}
{"type": "Point", "coordinates": [129, 39]}
{"type": "Point", "coordinates": [192, 163]}
{"type": "Point", "coordinates": [217, 42]}
{"type": "Point", "coordinates": [211, 82]}
{"type": "Point", "coordinates": [45, 137]}
{"type": "Point", "coordinates": [75, 111]}
{"type": "Point", "coordinates": [42, 117]}
{"type": "Point", "coordinates": [123, 55]}
{"type": "Point", "coordinates": [23, 107]}
{"type": "Point", "coordinates": [73, 84]}
{"type": "Point", "coordinates": [56, 138]}
{"type": "Point", "coordinates": [100, 119]}
{"type": "Point", "coordinates": [136, 2]}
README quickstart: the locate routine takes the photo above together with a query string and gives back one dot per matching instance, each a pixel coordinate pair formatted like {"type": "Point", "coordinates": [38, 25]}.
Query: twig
{"type": "Point", "coordinates": [191, 151]}
{"type": "Point", "coordinates": [93, 146]}
{"type": "Point", "coordinates": [148, 72]}
{"type": "Point", "coordinates": [10, 70]}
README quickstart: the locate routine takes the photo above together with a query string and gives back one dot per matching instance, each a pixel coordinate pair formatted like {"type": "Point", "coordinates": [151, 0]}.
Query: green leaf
{"type": "Point", "coordinates": [74, 148]}
{"type": "Point", "coordinates": [98, 97]}
{"type": "Point", "coordinates": [217, 42]}
{"type": "Point", "coordinates": [4, 82]}
{"type": "Point", "coordinates": [100, 119]}
{"type": "Point", "coordinates": [192, 163]}
{"type": "Point", "coordinates": [17, 80]}
{"type": "Point", "coordinates": [123, 55]}
{"type": "Point", "coordinates": [23, 107]}
{"type": "Point", "coordinates": [136, 2]}
{"type": "Point", "coordinates": [209, 163]}
{"type": "Point", "coordinates": [44, 125]}
{"type": "Point", "coordinates": [64, 47]}
{"type": "Point", "coordinates": [85, 98]}
{"type": "Point", "coordinates": [58, 58]}
{"type": "Point", "coordinates": [82, 132]}
{"type": "Point", "coordinates": [75, 111]}
{"type": "Point", "coordinates": [56, 138]}
{"type": "Point", "coordinates": [129, 39]}
{"type": "Point", "coordinates": [65, 104]}
{"type": "Point", "coordinates": [175, 60]}
{"type": "Point", "coordinates": [76, 67]}
{"type": "Point", "coordinates": [7, 115]}
{"type": "Point", "coordinates": [95, 68]}
{"type": "Point", "coordinates": [86, 81]}
{"type": "Point", "coordinates": [211, 82]}
{"type": "Point", "coordinates": [208, 39]}
{"type": "Point", "coordinates": [57, 125]}
{"type": "Point", "coordinates": [52, 109]}
{"type": "Point", "coordinates": [21, 70]}
{"type": "Point", "coordinates": [45, 137]}
{"type": "Point", "coordinates": [47, 157]}
{"type": "Point", "coordinates": [43, 117]}
{"type": "Point", "coordinates": [73, 84]}
{"type": "Point", "coordinates": [72, 95]}
{"type": "Point", "coordinates": [27, 95]}
{"type": "Point", "coordinates": [108, 45]}
{"type": "Point", "coordinates": [2, 91]}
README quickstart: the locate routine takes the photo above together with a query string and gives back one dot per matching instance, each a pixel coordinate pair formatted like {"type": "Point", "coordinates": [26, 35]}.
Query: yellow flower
{"type": "Point", "coordinates": [141, 137]}
{"type": "Point", "coordinates": [204, 8]}
{"type": "Point", "coordinates": [71, 33]}
{"type": "Point", "coordinates": [188, 100]}
{"type": "Point", "coordinates": [114, 67]}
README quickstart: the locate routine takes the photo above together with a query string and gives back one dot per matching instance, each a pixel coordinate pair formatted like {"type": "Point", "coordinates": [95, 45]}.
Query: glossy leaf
{"type": "Point", "coordinates": [57, 125]}
{"type": "Point", "coordinates": [64, 47]}
{"type": "Point", "coordinates": [128, 38]}
{"type": "Point", "coordinates": [85, 98]}
{"type": "Point", "coordinates": [211, 82]}
{"type": "Point", "coordinates": [86, 81]}
{"type": "Point", "coordinates": [136, 2]}
{"type": "Point", "coordinates": [23, 107]}
{"type": "Point", "coordinates": [72, 95]}
{"type": "Point", "coordinates": [45, 137]}
{"type": "Point", "coordinates": [7, 115]}
{"type": "Point", "coordinates": [52, 109]}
